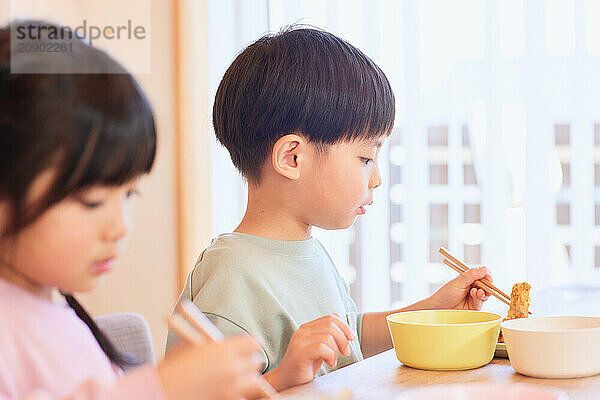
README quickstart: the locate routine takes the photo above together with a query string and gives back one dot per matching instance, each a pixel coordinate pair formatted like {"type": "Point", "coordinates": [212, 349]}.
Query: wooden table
{"type": "Point", "coordinates": [384, 377]}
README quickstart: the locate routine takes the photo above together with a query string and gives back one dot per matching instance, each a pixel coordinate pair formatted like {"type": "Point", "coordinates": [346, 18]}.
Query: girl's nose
{"type": "Point", "coordinates": [117, 225]}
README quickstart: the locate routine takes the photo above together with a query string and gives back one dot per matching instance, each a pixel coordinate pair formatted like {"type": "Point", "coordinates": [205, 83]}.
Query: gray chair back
{"type": "Point", "coordinates": [130, 334]}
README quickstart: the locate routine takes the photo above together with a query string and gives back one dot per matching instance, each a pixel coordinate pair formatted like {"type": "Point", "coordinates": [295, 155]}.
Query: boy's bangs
{"type": "Point", "coordinates": [371, 104]}
{"type": "Point", "coordinates": [376, 116]}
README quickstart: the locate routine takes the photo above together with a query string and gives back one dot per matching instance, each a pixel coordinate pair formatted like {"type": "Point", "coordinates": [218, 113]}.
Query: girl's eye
{"type": "Point", "coordinates": [133, 192]}
{"type": "Point", "coordinates": [90, 204]}
{"type": "Point", "coordinates": [366, 160]}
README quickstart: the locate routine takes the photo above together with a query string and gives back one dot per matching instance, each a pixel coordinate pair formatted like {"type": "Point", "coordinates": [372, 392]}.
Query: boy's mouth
{"type": "Point", "coordinates": [363, 209]}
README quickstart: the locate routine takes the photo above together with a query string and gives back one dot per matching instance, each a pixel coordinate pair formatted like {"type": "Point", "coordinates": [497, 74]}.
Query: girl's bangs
{"type": "Point", "coordinates": [121, 143]}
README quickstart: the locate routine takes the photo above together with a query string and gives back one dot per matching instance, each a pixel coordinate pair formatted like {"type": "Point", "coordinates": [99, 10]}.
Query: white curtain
{"type": "Point", "coordinates": [495, 153]}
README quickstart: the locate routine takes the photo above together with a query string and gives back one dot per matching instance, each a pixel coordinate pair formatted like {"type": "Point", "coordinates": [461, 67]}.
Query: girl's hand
{"type": "Point", "coordinates": [219, 371]}
{"type": "Point", "coordinates": [460, 293]}
{"type": "Point", "coordinates": [312, 344]}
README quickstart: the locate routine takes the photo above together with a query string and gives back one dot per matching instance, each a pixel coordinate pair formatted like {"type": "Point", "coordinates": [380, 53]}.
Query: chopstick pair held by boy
{"type": "Point", "coordinates": [483, 284]}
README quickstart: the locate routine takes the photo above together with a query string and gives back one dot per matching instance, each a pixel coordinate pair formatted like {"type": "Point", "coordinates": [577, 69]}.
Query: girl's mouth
{"type": "Point", "coordinates": [101, 267]}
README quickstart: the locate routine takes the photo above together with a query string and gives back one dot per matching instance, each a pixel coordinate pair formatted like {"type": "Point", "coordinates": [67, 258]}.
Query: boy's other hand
{"type": "Point", "coordinates": [460, 293]}
{"type": "Point", "coordinates": [311, 345]}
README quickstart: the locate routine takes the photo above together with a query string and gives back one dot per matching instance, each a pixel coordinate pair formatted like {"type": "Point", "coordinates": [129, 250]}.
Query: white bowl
{"type": "Point", "coordinates": [485, 391]}
{"type": "Point", "coordinates": [553, 347]}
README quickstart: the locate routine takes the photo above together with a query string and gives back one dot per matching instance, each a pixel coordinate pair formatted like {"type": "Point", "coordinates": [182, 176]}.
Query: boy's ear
{"type": "Point", "coordinates": [287, 155]}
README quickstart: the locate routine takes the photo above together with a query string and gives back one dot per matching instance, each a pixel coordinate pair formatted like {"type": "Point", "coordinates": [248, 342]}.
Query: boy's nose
{"type": "Point", "coordinates": [375, 180]}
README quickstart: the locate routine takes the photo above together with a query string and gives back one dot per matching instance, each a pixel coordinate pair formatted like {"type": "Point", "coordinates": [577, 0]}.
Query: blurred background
{"type": "Point", "coordinates": [495, 152]}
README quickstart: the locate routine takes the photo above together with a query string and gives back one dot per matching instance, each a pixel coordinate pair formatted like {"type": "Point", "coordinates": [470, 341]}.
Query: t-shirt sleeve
{"type": "Point", "coordinates": [238, 302]}
{"type": "Point", "coordinates": [354, 321]}
{"type": "Point", "coordinates": [230, 328]}
{"type": "Point", "coordinates": [353, 317]}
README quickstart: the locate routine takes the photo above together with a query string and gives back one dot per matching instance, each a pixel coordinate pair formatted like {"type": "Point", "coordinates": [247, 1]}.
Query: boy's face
{"type": "Point", "coordinates": [340, 181]}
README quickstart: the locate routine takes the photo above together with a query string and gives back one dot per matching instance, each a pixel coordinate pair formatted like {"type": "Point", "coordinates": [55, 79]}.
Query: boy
{"type": "Point", "coordinates": [303, 115]}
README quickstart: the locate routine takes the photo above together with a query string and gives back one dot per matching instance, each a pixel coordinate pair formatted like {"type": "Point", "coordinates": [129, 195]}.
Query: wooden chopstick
{"type": "Point", "coordinates": [462, 266]}
{"type": "Point", "coordinates": [483, 283]}
{"type": "Point", "coordinates": [187, 311]}
{"type": "Point", "coordinates": [198, 320]}
{"type": "Point", "coordinates": [178, 324]}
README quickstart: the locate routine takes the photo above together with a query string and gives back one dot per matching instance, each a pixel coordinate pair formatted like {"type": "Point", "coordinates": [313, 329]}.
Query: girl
{"type": "Point", "coordinates": [72, 147]}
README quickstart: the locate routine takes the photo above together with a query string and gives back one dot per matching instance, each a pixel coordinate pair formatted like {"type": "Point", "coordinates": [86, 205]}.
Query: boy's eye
{"type": "Point", "coordinates": [366, 160]}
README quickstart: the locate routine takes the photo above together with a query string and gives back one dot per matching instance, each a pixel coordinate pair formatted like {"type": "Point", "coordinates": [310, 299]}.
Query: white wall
{"type": "Point", "coordinates": [145, 279]}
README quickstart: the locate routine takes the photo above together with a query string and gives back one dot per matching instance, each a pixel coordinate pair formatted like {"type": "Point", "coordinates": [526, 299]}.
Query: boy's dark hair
{"type": "Point", "coordinates": [300, 80]}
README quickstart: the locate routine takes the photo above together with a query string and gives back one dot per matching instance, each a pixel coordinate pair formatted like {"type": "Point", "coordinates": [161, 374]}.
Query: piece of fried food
{"type": "Point", "coordinates": [519, 304]}
{"type": "Point", "coordinates": [519, 301]}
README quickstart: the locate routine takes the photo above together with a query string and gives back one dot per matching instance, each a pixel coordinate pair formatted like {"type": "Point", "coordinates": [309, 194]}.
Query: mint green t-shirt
{"type": "Point", "coordinates": [268, 288]}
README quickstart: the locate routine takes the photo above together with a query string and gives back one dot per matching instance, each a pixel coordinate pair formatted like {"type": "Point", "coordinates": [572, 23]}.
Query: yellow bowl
{"type": "Point", "coordinates": [444, 339]}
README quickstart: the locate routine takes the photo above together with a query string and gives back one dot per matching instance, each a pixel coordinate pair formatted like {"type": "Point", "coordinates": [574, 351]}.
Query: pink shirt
{"type": "Point", "coordinates": [47, 352]}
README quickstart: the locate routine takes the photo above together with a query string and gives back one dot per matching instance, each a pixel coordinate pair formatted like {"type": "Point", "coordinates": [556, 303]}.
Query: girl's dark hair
{"type": "Point", "coordinates": [300, 80]}
{"type": "Point", "coordinates": [118, 358]}
{"type": "Point", "coordinates": [89, 128]}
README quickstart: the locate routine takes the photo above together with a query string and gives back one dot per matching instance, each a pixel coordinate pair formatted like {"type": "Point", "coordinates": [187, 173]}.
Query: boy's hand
{"type": "Point", "coordinates": [312, 344]}
{"type": "Point", "coordinates": [460, 293]}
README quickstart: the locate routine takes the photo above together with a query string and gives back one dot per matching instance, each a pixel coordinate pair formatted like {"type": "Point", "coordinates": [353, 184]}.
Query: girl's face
{"type": "Point", "coordinates": [73, 243]}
